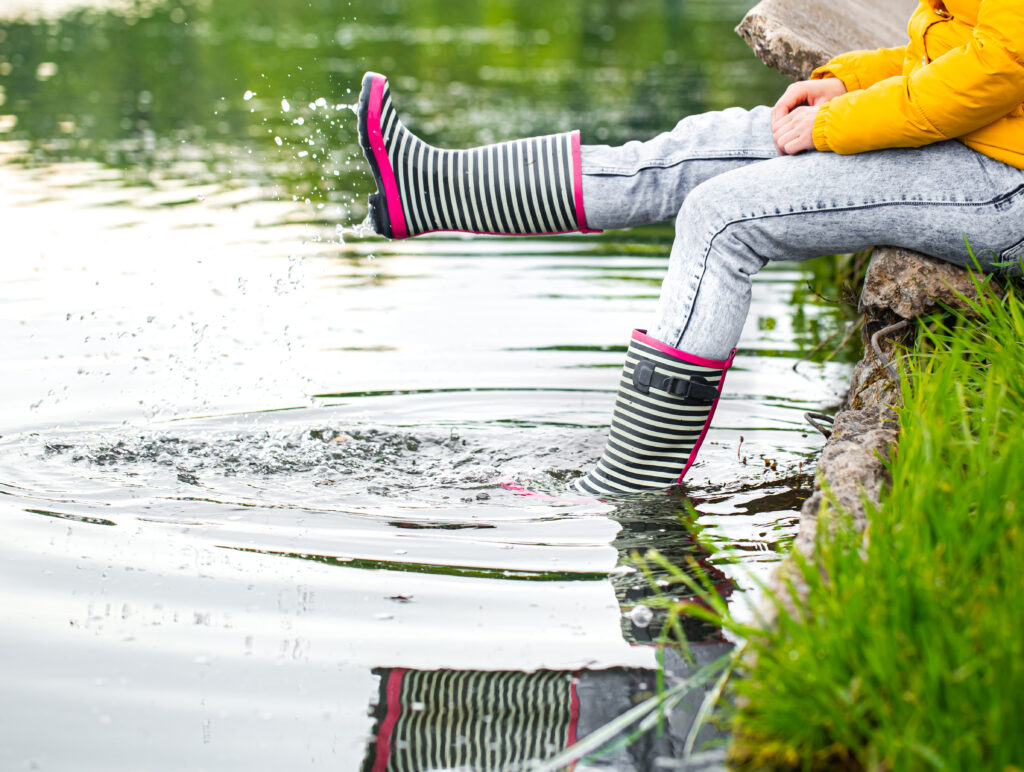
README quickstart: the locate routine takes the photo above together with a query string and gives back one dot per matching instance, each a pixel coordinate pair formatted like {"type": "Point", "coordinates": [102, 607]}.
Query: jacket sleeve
{"type": "Point", "coordinates": [860, 69]}
{"type": "Point", "coordinates": [964, 89]}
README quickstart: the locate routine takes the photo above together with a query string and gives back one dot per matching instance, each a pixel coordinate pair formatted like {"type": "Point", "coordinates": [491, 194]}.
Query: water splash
{"type": "Point", "coordinates": [360, 231]}
{"type": "Point", "coordinates": [273, 461]}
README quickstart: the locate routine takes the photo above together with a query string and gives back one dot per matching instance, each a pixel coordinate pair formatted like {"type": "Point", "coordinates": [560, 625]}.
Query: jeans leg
{"type": "Point", "coordinates": [646, 182]}
{"type": "Point", "coordinates": [929, 199]}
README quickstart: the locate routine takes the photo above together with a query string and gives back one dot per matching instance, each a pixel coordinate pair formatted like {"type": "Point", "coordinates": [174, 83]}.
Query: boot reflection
{"type": "Point", "coordinates": [500, 720]}
{"type": "Point", "coordinates": [659, 523]}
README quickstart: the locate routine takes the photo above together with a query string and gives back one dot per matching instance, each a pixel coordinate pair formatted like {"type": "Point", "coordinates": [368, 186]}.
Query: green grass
{"type": "Point", "coordinates": [909, 651]}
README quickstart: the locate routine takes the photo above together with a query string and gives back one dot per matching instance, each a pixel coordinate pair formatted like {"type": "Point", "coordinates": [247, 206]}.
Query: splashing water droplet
{"type": "Point", "coordinates": [285, 106]}
{"type": "Point", "coordinates": [640, 615]}
{"type": "Point", "coordinates": [360, 231]}
{"type": "Point", "coordinates": [248, 95]}
{"type": "Point", "coordinates": [278, 141]}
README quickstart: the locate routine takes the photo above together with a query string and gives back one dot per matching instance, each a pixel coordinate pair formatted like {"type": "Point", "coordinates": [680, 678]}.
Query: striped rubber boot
{"type": "Point", "coordinates": [663, 409]}
{"type": "Point", "coordinates": [523, 187]}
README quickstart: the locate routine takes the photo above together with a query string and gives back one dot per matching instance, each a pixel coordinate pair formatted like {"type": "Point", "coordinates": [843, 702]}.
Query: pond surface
{"type": "Point", "coordinates": [249, 461]}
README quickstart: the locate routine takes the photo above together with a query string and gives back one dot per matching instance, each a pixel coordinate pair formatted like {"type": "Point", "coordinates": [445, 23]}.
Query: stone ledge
{"type": "Point", "coordinates": [899, 284]}
{"type": "Point", "coordinates": [795, 36]}
{"type": "Point", "coordinates": [908, 284]}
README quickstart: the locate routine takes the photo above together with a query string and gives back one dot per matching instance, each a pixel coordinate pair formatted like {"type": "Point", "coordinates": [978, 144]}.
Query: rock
{"type": "Point", "coordinates": [850, 471]}
{"type": "Point", "coordinates": [795, 36]}
{"type": "Point", "coordinates": [870, 384]}
{"type": "Point", "coordinates": [909, 284]}
{"type": "Point", "coordinates": [851, 466]}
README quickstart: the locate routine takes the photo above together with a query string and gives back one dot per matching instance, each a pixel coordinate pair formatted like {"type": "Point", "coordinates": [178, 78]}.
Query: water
{"type": "Point", "coordinates": [249, 458]}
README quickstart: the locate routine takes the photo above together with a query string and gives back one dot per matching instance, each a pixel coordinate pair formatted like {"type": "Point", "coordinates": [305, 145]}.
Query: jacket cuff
{"type": "Point", "coordinates": [838, 70]}
{"type": "Point", "coordinates": [818, 133]}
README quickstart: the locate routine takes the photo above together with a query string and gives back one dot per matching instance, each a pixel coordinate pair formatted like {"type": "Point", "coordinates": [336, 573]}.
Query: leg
{"type": "Point", "coordinates": [795, 208]}
{"type": "Point", "coordinates": [646, 182]}
{"type": "Point", "coordinates": [929, 199]}
{"type": "Point", "coordinates": [544, 184]}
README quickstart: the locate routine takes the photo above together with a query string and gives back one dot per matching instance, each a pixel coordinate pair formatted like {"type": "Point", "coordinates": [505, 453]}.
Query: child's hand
{"type": "Point", "coordinates": [794, 133]}
{"type": "Point", "coordinates": [793, 115]}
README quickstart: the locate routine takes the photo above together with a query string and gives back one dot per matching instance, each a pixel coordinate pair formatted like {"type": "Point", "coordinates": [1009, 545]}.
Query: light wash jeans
{"type": "Point", "coordinates": [738, 205]}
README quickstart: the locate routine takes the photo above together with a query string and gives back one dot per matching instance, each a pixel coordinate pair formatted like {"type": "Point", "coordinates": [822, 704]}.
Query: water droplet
{"type": "Point", "coordinates": [248, 95]}
{"type": "Point", "coordinates": [285, 106]}
{"type": "Point", "coordinates": [640, 615]}
{"type": "Point", "coordinates": [278, 141]}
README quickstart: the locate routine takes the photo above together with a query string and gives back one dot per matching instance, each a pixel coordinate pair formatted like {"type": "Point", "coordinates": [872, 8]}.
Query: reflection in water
{"type": "Point", "coordinates": [500, 720]}
{"type": "Point", "coordinates": [444, 719]}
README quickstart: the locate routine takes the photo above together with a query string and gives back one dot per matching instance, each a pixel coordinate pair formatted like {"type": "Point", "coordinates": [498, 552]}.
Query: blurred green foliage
{"type": "Point", "coordinates": [132, 86]}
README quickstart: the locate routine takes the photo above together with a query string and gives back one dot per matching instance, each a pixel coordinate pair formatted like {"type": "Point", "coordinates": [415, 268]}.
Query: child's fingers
{"type": "Point", "coordinates": [795, 95]}
{"type": "Point", "coordinates": [794, 132]}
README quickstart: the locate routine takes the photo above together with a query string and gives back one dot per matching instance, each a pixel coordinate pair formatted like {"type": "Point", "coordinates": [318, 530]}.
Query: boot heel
{"type": "Point", "coordinates": [379, 215]}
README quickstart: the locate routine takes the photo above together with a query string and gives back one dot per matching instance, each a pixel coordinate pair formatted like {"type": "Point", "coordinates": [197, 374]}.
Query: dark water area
{"type": "Point", "coordinates": [249, 457]}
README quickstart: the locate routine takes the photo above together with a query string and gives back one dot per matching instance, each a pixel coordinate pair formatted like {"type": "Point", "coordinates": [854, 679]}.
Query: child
{"type": "Point", "coordinates": [920, 147]}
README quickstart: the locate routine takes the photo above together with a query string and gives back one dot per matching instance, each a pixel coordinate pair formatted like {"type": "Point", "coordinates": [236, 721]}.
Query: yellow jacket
{"type": "Point", "coordinates": [961, 76]}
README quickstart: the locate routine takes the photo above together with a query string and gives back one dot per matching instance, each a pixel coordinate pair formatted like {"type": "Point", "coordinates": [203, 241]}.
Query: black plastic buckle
{"type": "Point", "coordinates": [678, 387]}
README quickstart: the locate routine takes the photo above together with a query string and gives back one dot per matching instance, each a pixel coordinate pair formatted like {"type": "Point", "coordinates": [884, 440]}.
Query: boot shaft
{"type": "Point", "coordinates": [663, 409]}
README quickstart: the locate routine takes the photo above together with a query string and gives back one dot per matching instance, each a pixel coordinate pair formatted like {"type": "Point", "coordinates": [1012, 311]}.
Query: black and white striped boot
{"type": "Point", "coordinates": [663, 409]}
{"type": "Point", "coordinates": [529, 186]}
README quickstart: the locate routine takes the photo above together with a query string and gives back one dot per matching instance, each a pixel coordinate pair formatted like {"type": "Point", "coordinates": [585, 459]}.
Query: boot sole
{"type": "Point", "coordinates": [378, 202]}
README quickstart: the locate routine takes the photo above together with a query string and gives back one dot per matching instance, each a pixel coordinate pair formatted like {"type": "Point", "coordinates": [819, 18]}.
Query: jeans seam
{"type": "Point", "coordinates": [666, 163]}
{"type": "Point", "coordinates": [1013, 251]}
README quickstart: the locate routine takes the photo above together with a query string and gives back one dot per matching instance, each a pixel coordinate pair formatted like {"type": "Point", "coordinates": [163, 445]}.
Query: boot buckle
{"type": "Point", "coordinates": [643, 375]}
{"type": "Point", "coordinates": [694, 387]}
{"type": "Point", "coordinates": [678, 387]}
